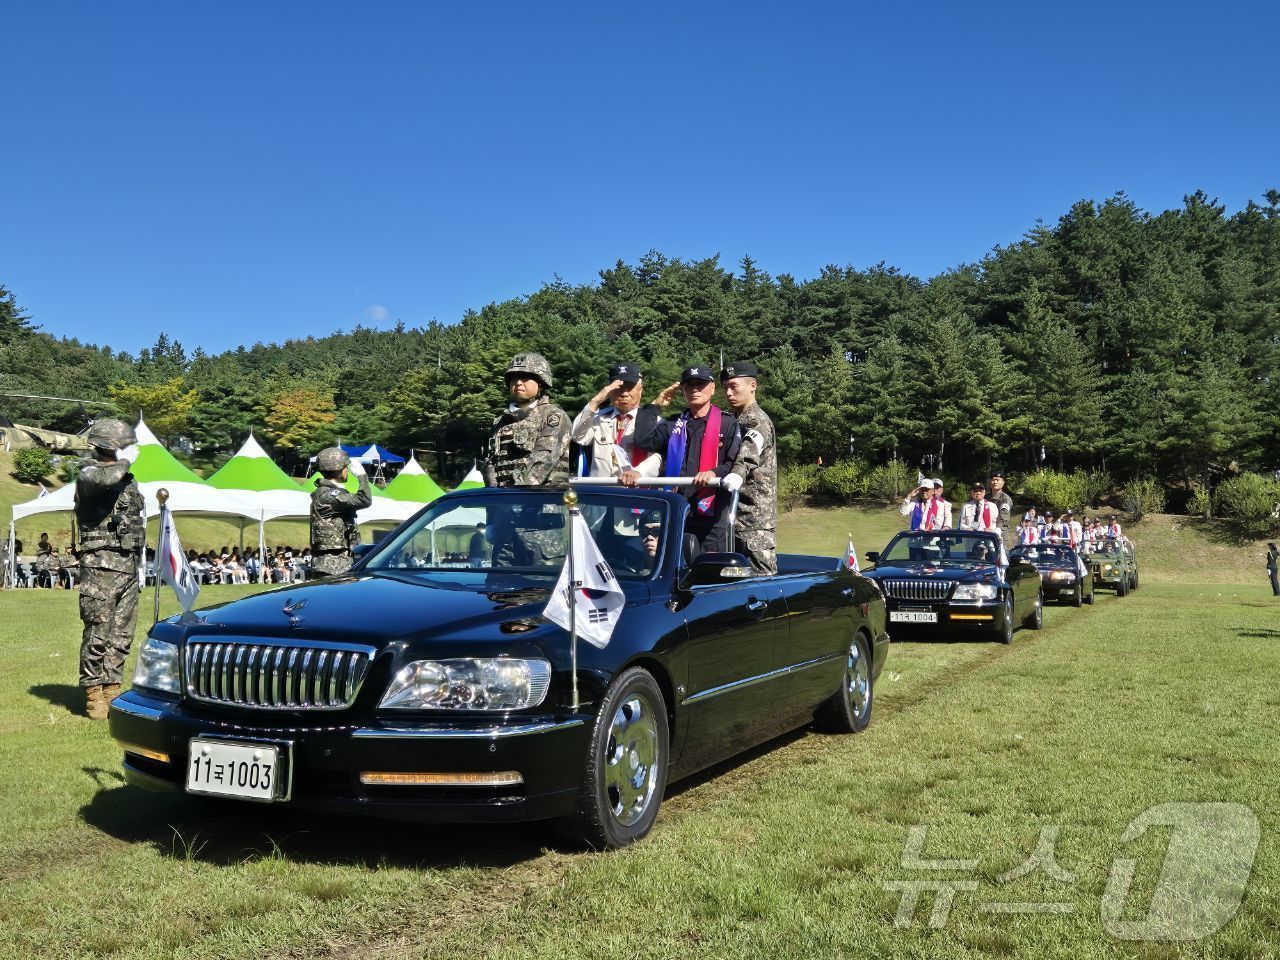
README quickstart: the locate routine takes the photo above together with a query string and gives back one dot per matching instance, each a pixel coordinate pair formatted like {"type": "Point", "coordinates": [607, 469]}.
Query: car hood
{"type": "Point", "coordinates": [378, 607]}
{"type": "Point", "coordinates": [963, 574]}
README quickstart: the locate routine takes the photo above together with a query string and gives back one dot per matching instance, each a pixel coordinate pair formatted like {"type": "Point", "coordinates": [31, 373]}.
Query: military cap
{"type": "Point", "coordinates": [697, 374]}
{"type": "Point", "coordinates": [651, 518]}
{"type": "Point", "coordinates": [111, 434]}
{"type": "Point", "coordinates": [331, 459]}
{"type": "Point", "coordinates": [977, 485]}
{"type": "Point", "coordinates": [626, 372]}
{"type": "Point", "coordinates": [743, 369]}
{"type": "Point", "coordinates": [533, 364]}
{"type": "Point", "coordinates": [996, 474]}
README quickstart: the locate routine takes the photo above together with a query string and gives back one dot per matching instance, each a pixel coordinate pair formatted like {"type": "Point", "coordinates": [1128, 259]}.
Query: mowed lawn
{"type": "Point", "coordinates": [1167, 696]}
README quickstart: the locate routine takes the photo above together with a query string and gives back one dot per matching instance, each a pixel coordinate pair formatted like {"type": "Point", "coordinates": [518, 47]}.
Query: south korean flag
{"type": "Point", "coordinates": [592, 588]}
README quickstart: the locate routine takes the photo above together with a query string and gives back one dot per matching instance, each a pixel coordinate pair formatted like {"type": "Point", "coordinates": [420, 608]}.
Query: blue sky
{"type": "Point", "coordinates": [235, 172]}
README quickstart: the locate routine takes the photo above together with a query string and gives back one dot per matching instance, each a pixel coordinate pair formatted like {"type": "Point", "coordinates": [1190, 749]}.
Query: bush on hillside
{"type": "Point", "coordinates": [844, 481]}
{"type": "Point", "coordinates": [1199, 502]}
{"type": "Point", "coordinates": [1050, 489]}
{"type": "Point", "coordinates": [1251, 502]}
{"type": "Point", "coordinates": [891, 481]}
{"type": "Point", "coordinates": [1143, 495]}
{"type": "Point", "coordinates": [795, 483]}
{"type": "Point", "coordinates": [32, 465]}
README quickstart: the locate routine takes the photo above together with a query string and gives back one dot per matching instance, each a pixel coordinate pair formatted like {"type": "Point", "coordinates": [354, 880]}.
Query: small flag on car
{"type": "Point", "coordinates": [591, 587]}
{"type": "Point", "coordinates": [171, 563]}
{"type": "Point", "coordinates": [851, 557]}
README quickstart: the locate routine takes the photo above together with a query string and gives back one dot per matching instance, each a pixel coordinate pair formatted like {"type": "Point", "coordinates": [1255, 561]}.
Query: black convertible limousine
{"type": "Point", "coordinates": [957, 580]}
{"type": "Point", "coordinates": [417, 689]}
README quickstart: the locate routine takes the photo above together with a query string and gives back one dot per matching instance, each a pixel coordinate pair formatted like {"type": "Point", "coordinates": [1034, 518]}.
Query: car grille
{"type": "Point", "coordinates": [276, 676]}
{"type": "Point", "coordinates": [918, 589]}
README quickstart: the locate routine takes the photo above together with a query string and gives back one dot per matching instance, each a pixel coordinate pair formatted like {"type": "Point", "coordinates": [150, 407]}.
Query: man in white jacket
{"type": "Point", "coordinates": [609, 430]}
{"type": "Point", "coordinates": [979, 513]}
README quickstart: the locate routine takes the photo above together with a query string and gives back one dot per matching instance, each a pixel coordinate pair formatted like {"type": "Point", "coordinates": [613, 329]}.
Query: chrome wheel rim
{"type": "Point", "coordinates": [858, 673]}
{"type": "Point", "coordinates": [631, 760]}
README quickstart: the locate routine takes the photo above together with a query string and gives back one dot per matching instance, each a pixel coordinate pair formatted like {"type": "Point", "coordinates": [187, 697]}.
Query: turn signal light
{"type": "Point", "coordinates": [143, 751]}
{"type": "Point", "coordinates": [500, 778]}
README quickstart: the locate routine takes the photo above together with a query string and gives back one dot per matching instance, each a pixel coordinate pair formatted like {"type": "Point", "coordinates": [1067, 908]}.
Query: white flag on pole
{"type": "Point", "coordinates": [171, 563]}
{"type": "Point", "coordinates": [44, 491]}
{"type": "Point", "coordinates": [595, 593]}
{"type": "Point", "coordinates": [851, 557]}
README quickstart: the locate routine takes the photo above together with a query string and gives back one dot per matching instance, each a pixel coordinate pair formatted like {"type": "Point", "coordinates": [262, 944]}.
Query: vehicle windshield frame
{"type": "Point", "coordinates": [503, 501]}
{"type": "Point", "coordinates": [954, 537]}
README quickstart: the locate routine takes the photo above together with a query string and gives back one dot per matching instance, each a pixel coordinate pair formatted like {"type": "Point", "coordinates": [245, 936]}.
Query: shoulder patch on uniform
{"type": "Point", "coordinates": [553, 420]}
{"type": "Point", "coordinates": [757, 438]}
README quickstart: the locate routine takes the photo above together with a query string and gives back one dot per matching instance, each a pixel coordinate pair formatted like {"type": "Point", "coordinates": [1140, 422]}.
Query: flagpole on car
{"type": "Point", "coordinates": [162, 497]}
{"type": "Point", "coordinates": [571, 502]}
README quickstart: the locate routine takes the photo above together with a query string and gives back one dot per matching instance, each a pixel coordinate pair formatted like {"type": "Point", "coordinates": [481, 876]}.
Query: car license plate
{"type": "Point", "coordinates": [246, 770]}
{"type": "Point", "coordinates": [912, 616]}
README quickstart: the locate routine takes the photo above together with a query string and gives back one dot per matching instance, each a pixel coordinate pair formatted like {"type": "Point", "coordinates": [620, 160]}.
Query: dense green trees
{"type": "Point", "coordinates": [1112, 340]}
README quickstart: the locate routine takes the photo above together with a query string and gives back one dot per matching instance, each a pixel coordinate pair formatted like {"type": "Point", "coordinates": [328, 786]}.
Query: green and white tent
{"type": "Point", "coordinates": [472, 480]}
{"type": "Point", "coordinates": [413, 484]}
{"type": "Point", "coordinates": [254, 477]}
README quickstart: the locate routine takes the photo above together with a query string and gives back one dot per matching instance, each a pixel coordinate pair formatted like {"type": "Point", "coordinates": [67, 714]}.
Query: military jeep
{"type": "Point", "coordinates": [1115, 566]}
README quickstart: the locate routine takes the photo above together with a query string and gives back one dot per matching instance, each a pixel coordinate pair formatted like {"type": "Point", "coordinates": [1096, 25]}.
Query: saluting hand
{"type": "Point", "coordinates": [667, 395]}
{"type": "Point", "coordinates": [605, 394]}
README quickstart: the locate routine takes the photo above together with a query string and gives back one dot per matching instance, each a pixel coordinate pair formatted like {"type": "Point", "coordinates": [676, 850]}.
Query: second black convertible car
{"type": "Point", "coordinates": [1066, 577]}
{"type": "Point", "coordinates": [956, 580]}
{"type": "Point", "coordinates": [426, 686]}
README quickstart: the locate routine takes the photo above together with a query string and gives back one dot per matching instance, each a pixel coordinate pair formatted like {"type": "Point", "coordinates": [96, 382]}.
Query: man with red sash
{"type": "Point", "coordinates": [702, 443]}
{"type": "Point", "coordinates": [610, 430]}
{"type": "Point", "coordinates": [980, 513]}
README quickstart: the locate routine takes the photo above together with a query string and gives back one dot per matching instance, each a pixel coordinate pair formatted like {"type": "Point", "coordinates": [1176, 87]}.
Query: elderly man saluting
{"type": "Point", "coordinates": [701, 443]}
{"type": "Point", "coordinates": [755, 471]}
{"type": "Point", "coordinates": [611, 430]}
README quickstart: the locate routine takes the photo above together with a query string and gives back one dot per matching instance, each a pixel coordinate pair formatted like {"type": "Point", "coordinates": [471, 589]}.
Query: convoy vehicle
{"type": "Point", "coordinates": [1066, 577]}
{"type": "Point", "coordinates": [947, 581]}
{"type": "Point", "coordinates": [1115, 565]}
{"type": "Point", "coordinates": [421, 689]}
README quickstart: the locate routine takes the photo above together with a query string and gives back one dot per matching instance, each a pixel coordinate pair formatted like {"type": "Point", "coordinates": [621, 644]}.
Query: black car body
{"type": "Point", "coordinates": [1066, 577]}
{"type": "Point", "coordinates": [954, 580]}
{"type": "Point", "coordinates": [706, 660]}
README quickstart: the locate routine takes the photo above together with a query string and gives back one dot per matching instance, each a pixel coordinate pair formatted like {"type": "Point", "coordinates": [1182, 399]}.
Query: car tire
{"type": "Point", "coordinates": [1078, 599]}
{"type": "Point", "coordinates": [626, 768]}
{"type": "Point", "coordinates": [1006, 635]}
{"type": "Point", "coordinates": [1036, 618]}
{"type": "Point", "coordinates": [1090, 598]}
{"type": "Point", "coordinates": [1134, 585]}
{"type": "Point", "coordinates": [849, 709]}
{"type": "Point", "coordinates": [1122, 588]}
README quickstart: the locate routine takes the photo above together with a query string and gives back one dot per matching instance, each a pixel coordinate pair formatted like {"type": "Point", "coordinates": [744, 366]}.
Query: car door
{"type": "Point", "coordinates": [814, 645]}
{"type": "Point", "coordinates": [734, 681]}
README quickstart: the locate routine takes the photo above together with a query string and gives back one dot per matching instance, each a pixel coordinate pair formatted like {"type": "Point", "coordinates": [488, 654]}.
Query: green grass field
{"type": "Point", "coordinates": [1168, 695]}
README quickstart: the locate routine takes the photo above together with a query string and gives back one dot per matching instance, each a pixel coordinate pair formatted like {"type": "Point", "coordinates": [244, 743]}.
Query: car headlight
{"type": "Point", "coordinates": [157, 666]}
{"type": "Point", "coordinates": [975, 591]}
{"type": "Point", "coordinates": [1106, 568]}
{"type": "Point", "coordinates": [1064, 575]}
{"type": "Point", "coordinates": [490, 684]}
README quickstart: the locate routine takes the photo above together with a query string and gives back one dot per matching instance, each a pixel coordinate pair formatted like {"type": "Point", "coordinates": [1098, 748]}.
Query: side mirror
{"type": "Point", "coordinates": [716, 568]}
{"type": "Point", "coordinates": [873, 556]}
{"type": "Point", "coordinates": [360, 549]}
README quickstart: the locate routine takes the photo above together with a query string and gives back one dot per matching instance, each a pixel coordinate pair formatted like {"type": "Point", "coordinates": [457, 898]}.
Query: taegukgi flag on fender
{"type": "Point", "coordinates": [595, 592]}
{"type": "Point", "coordinates": [171, 564]}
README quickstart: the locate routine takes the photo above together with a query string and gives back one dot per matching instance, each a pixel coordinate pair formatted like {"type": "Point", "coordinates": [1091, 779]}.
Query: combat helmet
{"type": "Point", "coordinates": [332, 460]}
{"type": "Point", "coordinates": [111, 434]}
{"type": "Point", "coordinates": [535, 365]}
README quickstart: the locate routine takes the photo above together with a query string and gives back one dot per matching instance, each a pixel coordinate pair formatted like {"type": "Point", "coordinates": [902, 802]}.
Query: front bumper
{"type": "Point", "coordinates": [326, 759]}
{"type": "Point", "coordinates": [1061, 589]}
{"type": "Point", "coordinates": [990, 616]}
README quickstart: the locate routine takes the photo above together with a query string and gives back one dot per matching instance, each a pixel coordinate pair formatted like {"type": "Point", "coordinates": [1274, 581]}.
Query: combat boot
{"type": "Point", "coordinates": [109, 692]}
{"type": "Point", "coordinates": [95, 705]}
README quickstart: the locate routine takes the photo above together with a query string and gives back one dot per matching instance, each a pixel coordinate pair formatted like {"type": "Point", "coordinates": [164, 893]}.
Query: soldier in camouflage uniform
{"type": "Point", "coordinates": [755, 471]}
{"type": "Point", "coordinates": [529, 447]}
{"type": "Point", "coordinates": [530, 442]}
{"type": "Point", "coordinates": [109, 513]}
{"type": "Point", "coordinates": [333, 514]}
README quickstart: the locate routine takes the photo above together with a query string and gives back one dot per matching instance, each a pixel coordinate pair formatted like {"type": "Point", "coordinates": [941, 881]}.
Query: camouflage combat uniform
{"type": "Point", "coordinates": [333, 525]}
{"type": "Point", "coordinates": [529, 446]}
{"type": "Point", "coordinates": [757, 464]}
{"type": "Point", "coordinates": [112, 533]}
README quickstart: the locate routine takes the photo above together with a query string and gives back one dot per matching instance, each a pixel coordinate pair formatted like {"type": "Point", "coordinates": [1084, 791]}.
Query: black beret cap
{"type": "Point", "coordinates": [996, 474]}
{"type": "Point", "coordinates": [697, 374]}
{"type": "Point", "coordinates": [743, 369]}
{"type": "Point", "coordinates": [626, 371]}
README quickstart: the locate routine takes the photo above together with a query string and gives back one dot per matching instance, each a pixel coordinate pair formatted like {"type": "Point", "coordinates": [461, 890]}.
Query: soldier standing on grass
{"type": "Point", "coordinates": [530, 442]}
{"type": "Point", "coordinates": [113, 531]}
{"type": "Point", "coordinates": [755, 471]}
{"type": "Point", "coordinates": [333, 513]}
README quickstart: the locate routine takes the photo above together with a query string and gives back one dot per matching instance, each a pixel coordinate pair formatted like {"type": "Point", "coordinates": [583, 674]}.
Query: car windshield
{"type": "Point", "coordinates": [1107, 550]}
{"type": "Point", "coordinates": [952, 546]}
{"type": "Point", "coordinates": [1044, 553]}
{"type": "Point", "coordinates": [525, 533]}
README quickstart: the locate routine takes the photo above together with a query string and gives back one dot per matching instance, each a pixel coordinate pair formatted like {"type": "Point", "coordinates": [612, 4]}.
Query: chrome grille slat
{"type": "Point", "coordinates": [919, 589]}
{"type": "Point", "coordinates": [275, 676]}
